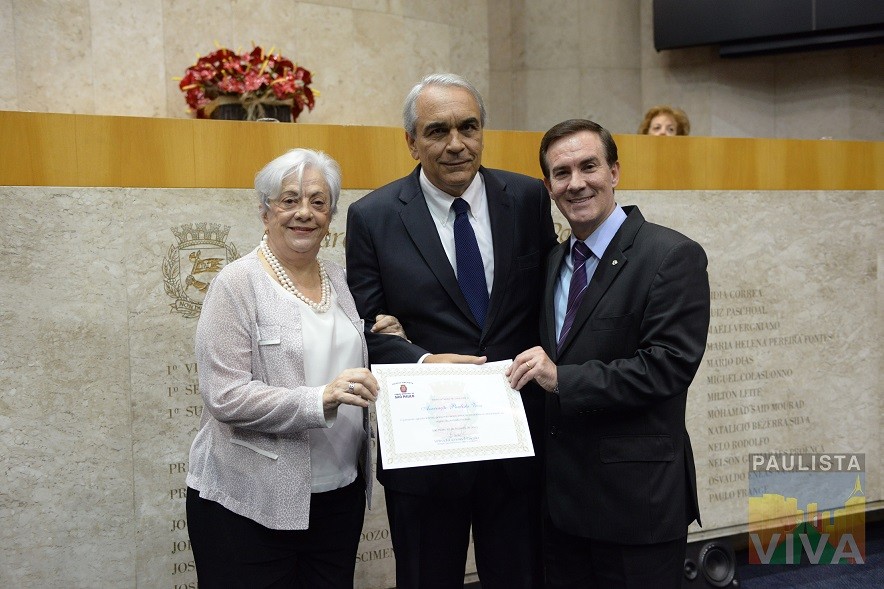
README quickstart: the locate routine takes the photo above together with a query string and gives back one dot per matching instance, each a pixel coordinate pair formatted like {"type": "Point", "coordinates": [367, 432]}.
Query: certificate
{"type": "Point", "coordinates": [446, 413]}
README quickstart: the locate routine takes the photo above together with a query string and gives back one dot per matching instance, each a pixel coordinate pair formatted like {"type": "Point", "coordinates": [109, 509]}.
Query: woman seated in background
{"type": "Point", "coordinates": [280, 469]}
{"type": "Point", "coordinates": [665, 120]}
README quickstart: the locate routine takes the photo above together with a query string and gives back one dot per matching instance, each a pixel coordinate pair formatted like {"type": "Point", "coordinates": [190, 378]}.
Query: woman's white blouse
{"type": "Point", "coordinates": [331, 345]}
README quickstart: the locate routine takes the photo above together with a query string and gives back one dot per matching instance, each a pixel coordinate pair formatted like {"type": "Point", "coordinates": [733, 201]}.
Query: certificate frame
{"type": "Point", "coordinates": [431, 414]}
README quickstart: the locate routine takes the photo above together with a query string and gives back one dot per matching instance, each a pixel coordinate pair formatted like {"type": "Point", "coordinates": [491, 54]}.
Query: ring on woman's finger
{"type": "Point", "coordinates": [529, 365]}
{"type": "Point", "coordinates": [350, 387]}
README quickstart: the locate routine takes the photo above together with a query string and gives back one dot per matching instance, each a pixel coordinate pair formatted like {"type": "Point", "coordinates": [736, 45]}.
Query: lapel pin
{"type": "Point", "coordinates": [614, 263]}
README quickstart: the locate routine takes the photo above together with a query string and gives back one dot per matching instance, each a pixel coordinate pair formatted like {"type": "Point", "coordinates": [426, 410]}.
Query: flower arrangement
{"type": "Point", "coordinates": [253, 80]}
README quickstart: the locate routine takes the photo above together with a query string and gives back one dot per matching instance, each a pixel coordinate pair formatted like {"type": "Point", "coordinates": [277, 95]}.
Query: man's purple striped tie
{"type": "Point", "coordinates": [579, 254]}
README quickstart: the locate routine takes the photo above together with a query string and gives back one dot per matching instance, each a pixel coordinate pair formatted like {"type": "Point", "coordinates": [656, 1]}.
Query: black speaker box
{"type": "Point", "coordinates": [710, 565]}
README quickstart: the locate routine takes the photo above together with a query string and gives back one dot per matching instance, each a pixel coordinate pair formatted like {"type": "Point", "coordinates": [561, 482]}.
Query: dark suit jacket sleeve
{"type": "Point", "coordinates": [648, 344]}
{"type": "Point", "coordinates": [366, 285]}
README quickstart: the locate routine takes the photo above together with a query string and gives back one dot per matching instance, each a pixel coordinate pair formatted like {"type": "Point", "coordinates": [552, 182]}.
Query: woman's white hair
{"type": "Point", "coordinates": [268, 182]}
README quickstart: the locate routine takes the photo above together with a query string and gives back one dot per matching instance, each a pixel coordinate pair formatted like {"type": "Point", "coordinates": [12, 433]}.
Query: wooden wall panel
{"type": "Point", "coordinates": [39, 149]}
{"type": "Point", "coordinates": [737, 163]}
{"type": "Point", "coordinates": [369, 156]}
{"type": "Point", "coordinates": [229, 153]}
{"type": "Point", "coordinates": [513, 150]}
{"type": "Point", "coordinates": [126, 151]}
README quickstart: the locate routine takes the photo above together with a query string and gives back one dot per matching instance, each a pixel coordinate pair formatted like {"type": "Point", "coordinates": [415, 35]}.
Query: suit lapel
{"type": "Point", "coordinates": [612, 263]}
{"type": "Point", "coordinates": [548, 313]}
{"type": "Point", "coordinates": [500, 210]}
{"type": "Point", "coordinates": [420, 226]}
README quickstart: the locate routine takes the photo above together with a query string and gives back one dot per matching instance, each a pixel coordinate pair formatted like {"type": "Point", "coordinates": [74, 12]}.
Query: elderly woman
{"type": "Point", "coordinates": [280, 469]}
{"type": "Point", "coordinates": [665, 120]}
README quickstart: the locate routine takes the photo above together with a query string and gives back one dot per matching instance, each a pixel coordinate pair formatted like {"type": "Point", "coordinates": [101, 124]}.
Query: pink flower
{"type": "Point", "coordinates": [255, 75]}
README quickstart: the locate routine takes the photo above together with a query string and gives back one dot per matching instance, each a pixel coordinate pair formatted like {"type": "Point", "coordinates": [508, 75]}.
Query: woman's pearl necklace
{"type": "Point", "coordinates": [324, 303]}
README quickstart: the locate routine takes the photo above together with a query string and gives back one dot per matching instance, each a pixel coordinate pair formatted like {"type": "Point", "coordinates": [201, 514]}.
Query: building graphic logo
{"type": "Point", "coordinates": [193, 262]}
{"type": "Point", "coordinates": [807, 508]}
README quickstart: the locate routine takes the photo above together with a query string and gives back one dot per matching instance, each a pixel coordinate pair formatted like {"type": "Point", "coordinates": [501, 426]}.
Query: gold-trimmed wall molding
{"type": "Point", "coordinates": [40, 149]}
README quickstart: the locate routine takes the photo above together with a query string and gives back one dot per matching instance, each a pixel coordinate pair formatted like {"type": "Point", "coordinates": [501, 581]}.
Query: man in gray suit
{"type": "Point", "coordinates": [623, 330]}
{"type": "Point", "coordinates": [404, 259]}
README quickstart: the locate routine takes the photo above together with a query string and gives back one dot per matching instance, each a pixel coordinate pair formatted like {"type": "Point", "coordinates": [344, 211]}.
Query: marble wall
{"type": "Point", "coordinates": [98, 396]}
{"type": "Point", "coordinates": [537, 63]}
{"type": "Point", "coordinates": [119, 57]}
{"type": "Point", "coordinates": [792, 361]}
{"type": "Point", "coordinates": [560, 59]}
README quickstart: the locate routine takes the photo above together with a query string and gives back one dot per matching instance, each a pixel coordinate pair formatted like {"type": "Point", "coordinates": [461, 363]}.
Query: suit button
{"type": "Point", "coordinates": [553, 431]}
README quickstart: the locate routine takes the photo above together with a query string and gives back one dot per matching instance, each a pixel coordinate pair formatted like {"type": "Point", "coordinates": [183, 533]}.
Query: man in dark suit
{"type": "Point", "coordinates": [623, 329]}
{"type": "Point", "coordinates": [404, 259]}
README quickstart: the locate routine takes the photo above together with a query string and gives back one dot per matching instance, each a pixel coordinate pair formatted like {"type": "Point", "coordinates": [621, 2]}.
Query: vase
{"type": "Point", "coordinates": [236, 112]}
{"type": "Point", "coordinates": [280, 112]}
{"type": "Point", "coordinates": [229, 112]}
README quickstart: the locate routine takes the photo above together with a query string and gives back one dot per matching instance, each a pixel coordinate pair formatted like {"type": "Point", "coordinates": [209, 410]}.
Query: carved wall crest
{"type": "Point", "coordinates": [190, 266]}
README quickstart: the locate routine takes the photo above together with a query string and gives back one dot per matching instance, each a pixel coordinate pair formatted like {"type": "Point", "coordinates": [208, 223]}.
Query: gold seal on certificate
{"type": "Point", "coordinates": [444, 413]}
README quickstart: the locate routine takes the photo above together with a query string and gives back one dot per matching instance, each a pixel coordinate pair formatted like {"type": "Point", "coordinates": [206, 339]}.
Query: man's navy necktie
{"type": "Point", "coordinates": [470, 270]}
{"type": "Point", "coordinates": [579, 254]}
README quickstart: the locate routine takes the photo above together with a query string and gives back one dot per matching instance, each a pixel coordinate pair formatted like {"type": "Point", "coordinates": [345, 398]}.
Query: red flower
{"type": "Point", "coordinates": [252, 77]}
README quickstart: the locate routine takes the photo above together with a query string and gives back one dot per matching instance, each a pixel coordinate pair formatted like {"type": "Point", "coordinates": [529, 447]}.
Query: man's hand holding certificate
{"type": "Point", "coordinates": [444, 413]}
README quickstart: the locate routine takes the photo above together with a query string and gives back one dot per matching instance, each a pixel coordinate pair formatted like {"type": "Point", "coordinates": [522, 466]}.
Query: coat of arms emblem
{"type": "Point", "coordinates": [191, 265]}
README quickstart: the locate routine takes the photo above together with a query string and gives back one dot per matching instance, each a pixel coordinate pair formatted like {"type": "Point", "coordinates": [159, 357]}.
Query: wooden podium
{"type": "Point", "coordinates": [39, 149]}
